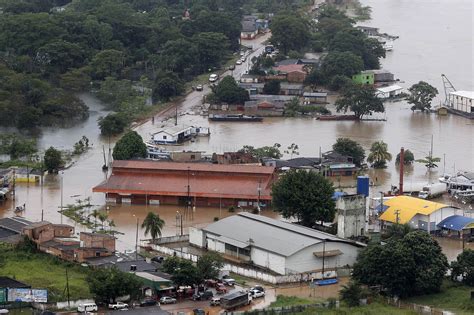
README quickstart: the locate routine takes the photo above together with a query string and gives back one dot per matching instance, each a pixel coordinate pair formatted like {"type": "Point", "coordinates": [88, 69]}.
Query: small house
{"type": "Point", "coordinates": [291, 88]}
{"type": "Point", "coordinates": [315, 97]}
{"type": "Point", "coordinates": [294, 73]}
{"type": "Point", "coordinates": [26, 175]}
{"type": "Point", "coordinates": [172, 135]}
{"type": "Point", "coordinates": [249, 27]}
{"type": "Point", "coordinates": [249, 78]}
{"type": "Point", "coordinates": [364, 77]}
{"type": "Point", "coordinates": [382, 75]}
{"type": "Point", "coordinates": [389, 91]}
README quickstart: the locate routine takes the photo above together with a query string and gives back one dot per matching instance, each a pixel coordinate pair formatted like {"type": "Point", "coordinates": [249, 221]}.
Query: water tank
{"type": "Point", "coordinates": [363, 185]}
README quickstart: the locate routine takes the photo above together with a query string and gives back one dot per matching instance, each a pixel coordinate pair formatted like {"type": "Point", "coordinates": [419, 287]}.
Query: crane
{"type": "Point", "coordinates": [448, 88]}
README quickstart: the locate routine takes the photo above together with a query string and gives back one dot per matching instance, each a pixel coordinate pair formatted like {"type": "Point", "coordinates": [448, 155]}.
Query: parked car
{"type": "Point", "coordinates": [206, 295]}
{"type": "Point", "coordinates": [87, 307]}
{"type": "Point", "coordinates": [221, 289]}
{"type": "Point", "coordinates": [167, 300]}
{"type": "Point", "coordinates": [198, 311]}
{"type": "Point", "coordinates": [215, 301]}
{"type": "Point", "coordinates": [257, 293]}
{"type": "Point", "coordinates": [213, 77]}
{"type": "Point", "coordinates": [228, 281]}
{"type": "Point", "coordinates": [118, 306]}
{"type": "Point", "coordinates": [148, 302]}
{"type": "Point", "coordinates": [257, 287]}
{"type": "Point", "coordinates": [199, 87]}
{"type": "Point", "coordinates": [158, 259]}
{"type": "Point", "coordinates": [238, 62]}
{"type": "Point", "coordinates": [232, 67]}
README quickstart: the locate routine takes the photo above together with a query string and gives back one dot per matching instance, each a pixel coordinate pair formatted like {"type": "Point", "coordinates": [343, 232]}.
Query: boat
{"type": "Point", "coordinates": [326, 282]}
{"type": "Point", "coordinates": [238, 117]}
{"type": "Point", "coordinates": [337, 117]}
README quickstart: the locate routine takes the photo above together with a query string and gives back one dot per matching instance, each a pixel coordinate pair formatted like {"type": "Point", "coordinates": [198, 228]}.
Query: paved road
{"type": "Point", "coordinates": [141, 311]}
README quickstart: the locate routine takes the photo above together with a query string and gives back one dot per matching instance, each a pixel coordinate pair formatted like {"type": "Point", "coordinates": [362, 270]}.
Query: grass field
{"type": "Point", "coordinates": [43, 271]}
{"type": "Point", "coordinates": [453, 297]}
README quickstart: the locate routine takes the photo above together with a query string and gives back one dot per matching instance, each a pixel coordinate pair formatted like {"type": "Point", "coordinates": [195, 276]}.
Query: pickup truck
{"type": "Point", "coordinates": [118, 306]}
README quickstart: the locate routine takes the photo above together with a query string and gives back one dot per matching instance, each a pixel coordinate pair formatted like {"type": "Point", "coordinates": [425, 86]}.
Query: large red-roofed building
{"type": "Point", "coordinates": [214, 185]}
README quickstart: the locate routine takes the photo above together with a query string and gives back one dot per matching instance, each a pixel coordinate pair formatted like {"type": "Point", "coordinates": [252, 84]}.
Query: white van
{"type": "Point", "coordinates": [87, 307]}
{"type": "Point", "coordinates": [213, 77]}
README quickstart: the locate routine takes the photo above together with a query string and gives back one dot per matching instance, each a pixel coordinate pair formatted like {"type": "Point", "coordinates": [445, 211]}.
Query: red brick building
{"type": "Point", "coordinates": [294, 73]}
{"type": "Point", "coordinates": [141, 182]}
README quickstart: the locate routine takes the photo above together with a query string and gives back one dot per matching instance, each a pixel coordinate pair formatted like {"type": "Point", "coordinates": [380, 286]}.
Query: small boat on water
{"type": "Point", "coordinates": [337, 117]}
{"type": "Point", "coordinates": [326, 282]}
{"type": "Point", "coordinates": [238, 117]}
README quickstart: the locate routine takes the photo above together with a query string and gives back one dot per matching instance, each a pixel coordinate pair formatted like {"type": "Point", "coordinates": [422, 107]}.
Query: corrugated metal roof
{"type": "Point", "coordinates": [407, 208]}
{"type": "Point", "coordinates": [269, 234]}
{"type": "Point", "coordinates": [455, 222]}
{"type": "Point", "coordinates": [14, 224]}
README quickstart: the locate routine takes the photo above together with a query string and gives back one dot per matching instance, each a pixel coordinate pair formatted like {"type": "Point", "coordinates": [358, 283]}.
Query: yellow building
{"type": "Point", "coordinates": [416, 212]}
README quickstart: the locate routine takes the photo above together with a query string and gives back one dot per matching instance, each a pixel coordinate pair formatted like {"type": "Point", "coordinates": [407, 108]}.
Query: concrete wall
{"type": "Point", "coordinates": [196, 237]}
{"type": "Point", "coordinates": [304, 260]}
{"type": "Point", "coordinates": [420, 221]}
{"type": "Point", "coordinates": [268, 260]}
{"type": "Point", "coordinates": [351, 215]}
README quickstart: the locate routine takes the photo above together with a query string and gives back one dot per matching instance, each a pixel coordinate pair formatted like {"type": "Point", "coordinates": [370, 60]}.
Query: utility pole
{"type": "Point", "coordinates": [259, 190]}
{"type": "Point", "coordinates": [397, 214]}
{"type": "Point", "coordinates": [67, 290]}
{"type": "Point", "coordinates": [61, 210]}
{"type": "Point", "coordinates": [402, 164]}
{"type": "Point", "coordinates": [324, 255]}
{"type": "Point", "coordinates": [176, 116]}
{"type": "Point", "coordinates": [42, 212]}
{"type": "Point", "coordinates": [136, 243]}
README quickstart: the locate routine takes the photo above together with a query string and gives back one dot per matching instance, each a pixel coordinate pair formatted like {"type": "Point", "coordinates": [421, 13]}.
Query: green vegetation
{"type": "Point", "coordinates": [130, 146]}
{"type": "Point", "coordinates": [408, 158]}
{"type": "Point", "coordinates": [53, 160]}
{"type": "Point", "coordinates": [107, 284]}
{"type": "Point", "coordinates": [153, 224]}
{"type": "Point", "coordinates": [421, 96]}
{"type": "Point", "coordinates": [271, 87]}
{"type": "Point", "coordinates": [263, 152]}
{"type": "Point", "coordinates": [16, 146]}
{"type": "Point", "coordinates": [429, 161]}
{"type": "Point", "coordinates": [352, 293]}
{"type": "Point", "coordinates": [209, 265]}
{"type": "Point", "coordinates": [290, 31]}
{"type": "Point", "coordinates": [464, 267]}
{"type": "Point", "coordinates": [379, 155]}
{"type": "Point", "coordinates": [348, 147]}
{"type": "Point", "coordinates": [228, 91]}
{"type": "Point", "coordinates": [454, 297]}
{"type": "Point", "coordinates": [361, 100]}
{"type": "Point", "coordinates": [408, 266]}
{"type": "Point", "coordinates": [376, 308]}
{"type": "Point", "coordinates": [44, 271]}
{"type": "Point", "coordinates": [294, 108]}
{"type": "Point", "coordinates": [283, 300]}
{"type": "Point", "coordinates": [306, 196]}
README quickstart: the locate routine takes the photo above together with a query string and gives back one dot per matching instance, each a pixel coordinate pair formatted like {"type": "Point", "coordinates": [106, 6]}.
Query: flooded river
{"type": "Point", "coordinates": [435, 37]}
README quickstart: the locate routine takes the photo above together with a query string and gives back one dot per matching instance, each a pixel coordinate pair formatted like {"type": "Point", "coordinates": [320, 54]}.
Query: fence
{"type": "Point", "coordinates": [421, 309]}
{"type": "Point", "coordinates": [61, 305]}
{"type": "Point", "coordinates": [286, 309]}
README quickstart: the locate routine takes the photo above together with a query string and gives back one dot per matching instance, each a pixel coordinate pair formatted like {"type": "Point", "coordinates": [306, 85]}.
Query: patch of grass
{"type": "Point", "coordinates": [283, 300]}
{"type": "Point", "coordinates": [43, 271]}
{"type": "Point", "coordinates": [371, 309]}
{"type": "Point", "coordinates": [453, 297]}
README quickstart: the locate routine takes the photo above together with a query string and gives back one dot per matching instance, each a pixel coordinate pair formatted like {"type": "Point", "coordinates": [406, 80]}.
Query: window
{"type": "Point", "coordinates": [193, 157]}
{"type": "Point", "coordinates": [164, 137]}
{"type": "Point", "coordinates": [97, 254]}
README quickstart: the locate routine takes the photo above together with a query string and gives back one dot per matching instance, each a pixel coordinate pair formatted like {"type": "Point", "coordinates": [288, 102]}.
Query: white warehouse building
{"type": "Point", "coordinates": [281, 247]}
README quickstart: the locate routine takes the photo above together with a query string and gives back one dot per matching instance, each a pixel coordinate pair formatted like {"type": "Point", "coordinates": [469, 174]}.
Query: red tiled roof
{"type": "Point", "coordinates": [174, 166]}
{"type": "Point", "coordinates": [205, 180]}
{"type": "Point", "coordinates": [290, 68]}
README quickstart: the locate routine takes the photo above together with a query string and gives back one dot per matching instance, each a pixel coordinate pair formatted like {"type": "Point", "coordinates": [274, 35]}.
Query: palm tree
{"type": "Point", "coordinates": [153, 225]}
{"type": "Point", "coordinates": [430, 161]}
{"type": "Point", "coordinates": [379, 155]}
{"type": "Point", "coordinates": [103, 217]}
{"type": "Point", "coordinates": [95, 213]}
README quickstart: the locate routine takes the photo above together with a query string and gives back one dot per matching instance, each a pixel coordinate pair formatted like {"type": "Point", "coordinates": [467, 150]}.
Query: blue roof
{"type": "Point", "coordinates": [337, 195]}
{"type": "Point", "coordinates": [455, 222]}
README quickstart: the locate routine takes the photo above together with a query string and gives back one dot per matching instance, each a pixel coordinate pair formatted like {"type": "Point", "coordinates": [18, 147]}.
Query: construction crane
{"type": "Point", "coordinates": [448, 88]}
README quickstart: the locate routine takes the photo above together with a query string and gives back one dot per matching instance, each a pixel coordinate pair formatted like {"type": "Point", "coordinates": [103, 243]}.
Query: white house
{"type": "Point", "coordinates": [282, 247]}
{"type": "Point", "coordinates": [462, 102]}
{"type": "Point", "coordinates": [172, 135]}
{"type": "Point", "coordinates": [389, 91]}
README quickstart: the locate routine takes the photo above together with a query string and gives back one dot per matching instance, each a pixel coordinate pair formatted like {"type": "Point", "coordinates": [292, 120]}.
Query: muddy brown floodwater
{"type": "Point", "coordinates": [435, 37]}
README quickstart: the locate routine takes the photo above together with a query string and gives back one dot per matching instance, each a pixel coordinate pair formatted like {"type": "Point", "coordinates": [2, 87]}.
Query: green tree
{"type": "Point", "coordinates": [52, 160]}
{"type": "Point", "coordinates": [421, 96]}
{"type": "Point", "coordinates": [352, 293]}
{"type": "Point", "coordinates": [17, 147]}
{"type": "Point", "coordinates": [183, 272]}
{"type": "Point", "coordinates": [271, 87]}
{"type": "Point", "coordinates": [211, 49]}
{"type": "Point", "coordinates": [130, 146]}
{"type": "Point", "coordinates": [153, 224]}
{"type": "Point", "coordinates": [397, 231]}
{"type": "Point", "coordinates": [379, 155]}
{"type": "Point", "coordinates": [179, 55]}
{"type": "Point", "coordinates": [413, 265]}
{"type": "Point", "coordinates": [166, 86]}
{"type": "Point", "coordinates": [209, 265]}
{"type": "Point", "coordinates": [429, 161]}
{"type": "Point", "coordinates": [107, 284]}
{"type": "Point", "coordinates": [361, 100]}
{"type": "Point", "coordinates": [306, 196]}
{"type": "Point", "coordinates": [289, 32]}
{"type": "Point", "coordinates": [228, 91]}
{"type": "Point", "coordinates": [463, 267]}
{"type": "Point", "coordinates": [408, 158]}
{"type": "Point", "coordinates": [113, 124]}
{"type": "Point", "coordinates": [348, 147]}
{"type": "Point", "coordinates": [263, 152]}
{"type": "Point", "coordinates": [107, 63]}
{"type": "Point", "coordinates": [341, 63]}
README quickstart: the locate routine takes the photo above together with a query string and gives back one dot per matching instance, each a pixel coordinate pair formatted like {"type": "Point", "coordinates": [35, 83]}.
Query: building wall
{"type": "Point", "coordinates": [305, 260]}
{"type": "Point", "coordinates": [185, 156]}
{"type": "Point", "coordinates": [268, 260]}
{"type": "Point", "coordinates": [351, 214]}
{"type": "Point", "coordinates": [98, 241]}
{"type": "Point", "coordinates": [196, 237]}
{"type": "Point", "coordinates": [363, 78]}
{"type": "Point", "coordinates": [163, 136]}
{"type": "Point", "coordinates": [296, 77]}
{"type": "Point", "coordinates": [63, 231]}
{"type": "Point", "coordinates": [420, 221]}
{"type": "Point", "coordinates": [461, 103]}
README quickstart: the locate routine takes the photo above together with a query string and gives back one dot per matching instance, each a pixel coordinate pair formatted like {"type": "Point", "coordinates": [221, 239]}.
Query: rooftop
{"type": "Point", "coordinates": [173, 130]}
{"type": "Point", "coordinates": [456, 223]}
{"type": "Point", "coordinates": [283, 238]}
{"type": "Point", "coordinates": [99, 235]}
{"type": "Point", "coordinates": [467, 94]}
{"type": "Point", "coordinates": [14, 224]}
{"type": "Point", "coordinates": [290, 68]}
{"type": "Point", "coordinates": [6, 282]}
{"type": "Point", "coordinates": [390, 88]}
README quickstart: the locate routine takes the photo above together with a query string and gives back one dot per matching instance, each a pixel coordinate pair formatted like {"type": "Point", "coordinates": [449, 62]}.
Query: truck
{"type": "Point", "coordinates": [235, 299]}
{"type": "Point", "coordinates": [118, 306]}
{"type": "Point", "coordinates": [432, 191]}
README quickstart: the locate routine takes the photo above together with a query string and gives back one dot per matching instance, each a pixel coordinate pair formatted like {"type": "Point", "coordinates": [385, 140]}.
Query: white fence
{"type": "Point", "coordinates": [248, 272]}
{"type": "Point", "coordinates": [62, 305]}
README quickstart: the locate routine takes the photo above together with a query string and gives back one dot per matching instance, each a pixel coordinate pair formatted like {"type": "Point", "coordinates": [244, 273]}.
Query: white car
{"type": "Point", "coordinates": [256, 293]}
{"type": "Point", "coordinates": [118, 306]}
{"type": "Point", "coordinates": [167, 300]}
{"type": "Point", "coordinates": [228, 281]}
{"type": "Point", "coordinates": [213, 77]}
{"type": "Point", "coordinates": [238, 62]}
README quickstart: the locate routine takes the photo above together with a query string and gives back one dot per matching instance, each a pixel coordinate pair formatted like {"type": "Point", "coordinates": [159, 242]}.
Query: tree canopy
{"type": "Point", "coordinates": [463, 267]}
{"type": "Point", "coordinates": [412, 265]}
{"type": "Point", "coordinates": [228, 91]}
{"type": "Point", "coordinates": [379, 155]}
{"type": "Point", "coordinates": [289, 31]}
{"type": "Point", "coordinates": [53, 160]}
{"type": "Point", "coordinates": [130, 146]}
{"type": "Point", "coordinates": [107, 284]}
{"type": "Point", "coordinates": [408, 158]}
{"type": "Point", "coordinates": [271, 87]}
{"type": "Point", "coordinates": [361, 100]}
{"type": "Point", "coordinates": [348, 147]}
{"type": "Point", "coordinates": [306, 196]}
{"type": "Point", "coordinates": [153, 224]}
{"type": "Point", "coordinates": [113, 124]}
{"type": "Point", "coordinates": [421, 96]}
{"type": "Point", "coordinates": [263, 152]}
